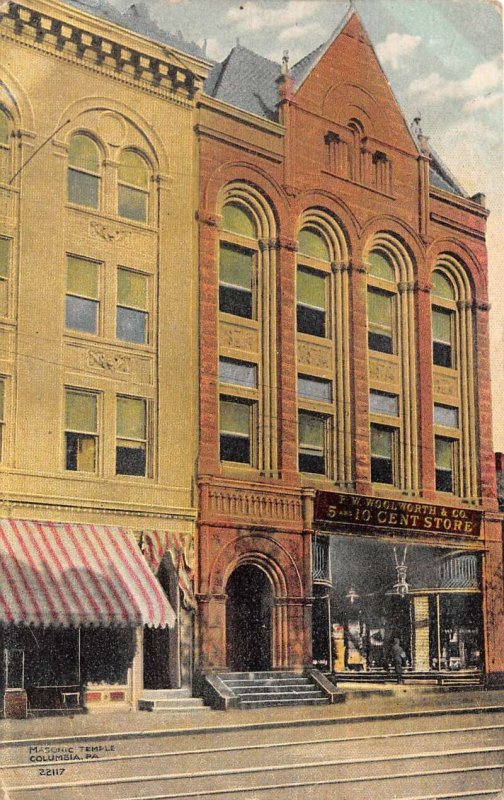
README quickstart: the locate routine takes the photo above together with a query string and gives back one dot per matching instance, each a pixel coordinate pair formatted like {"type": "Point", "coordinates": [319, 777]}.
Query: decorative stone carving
{"type": "Point", "coordinates": [445, 385]}
{"type": "Point", "coordinates": [238, 338]}
{"type": "Point", "coordinates": [382, 371]}
{"type": "Point", "coordinates": [109, 361]}
{"type": "Point", "coordinates": [313, 355]}
{"type": "Point", "coordinates": [249, 503]}
{"type": "Point", "coordinates": [107, 232]}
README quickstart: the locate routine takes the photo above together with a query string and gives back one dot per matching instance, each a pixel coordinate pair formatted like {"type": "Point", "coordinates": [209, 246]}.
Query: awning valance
{"type": "Point", "coordinates": [72, 574]}
{"type": "Point", "coordinates": [155, 545]}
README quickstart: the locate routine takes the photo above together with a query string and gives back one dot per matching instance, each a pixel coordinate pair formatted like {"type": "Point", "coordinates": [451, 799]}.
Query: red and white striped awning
{"type": "Point", "coordinates": [155, 545]}
{"type": "Point", "coordinates": [70, 575]}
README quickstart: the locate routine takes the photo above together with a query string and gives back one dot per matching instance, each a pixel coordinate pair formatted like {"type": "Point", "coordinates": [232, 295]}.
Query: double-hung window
{"type": "Point", "coordinates": [131, 436]}
{"type": "Point", "coordinates": [133, 187]}
{"type": "Point", "coordinates": [446, 447]}
{"type": "Point", "coordinates": [81, 431]}
{"type": "Point", "coordinates": [82, 295]}
{"type": "Point", "coordinates": [443, 321]}
{"type": "Point", "coordinates": [312, 285]}
{"type": "Point", "coordinates": [381, 303]}
{"type": "Point", "coordinates": [237, 262]}
{"type": "Point", "coordinates": [312, 446]}
{"type": "Point", "coordinates": [237, 411]}
{"type": "Point", "coordinates": [131, 311]}
{"type": "Point", "coordinates": [385, 432]}
{"type": "Point", "coordinates": [84, 172]}
{"type": "Point", "coordinates": [5, 148]}
{"type": "Point", "coordinates": [4, 275]}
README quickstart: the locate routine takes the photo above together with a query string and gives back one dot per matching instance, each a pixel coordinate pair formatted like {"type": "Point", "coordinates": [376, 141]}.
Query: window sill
{"type": "Point", "coordinates": [100, 215]}
{"type": "Point", "coordinates": [102, 341]}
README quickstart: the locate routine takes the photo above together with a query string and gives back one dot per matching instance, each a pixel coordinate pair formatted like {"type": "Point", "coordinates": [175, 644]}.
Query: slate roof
{"type": "Point", "coordinates": [137, 19]}
{"type": "Point", "coordinates": [441, 177]}
{"type": "Point", "coordinates": [246, 80]}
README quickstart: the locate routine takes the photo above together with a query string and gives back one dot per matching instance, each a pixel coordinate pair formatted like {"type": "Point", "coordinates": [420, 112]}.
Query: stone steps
{"type": "Point", "coordinates": [176, 700]}
{"type": "Point", "coordinates": [266, 689]}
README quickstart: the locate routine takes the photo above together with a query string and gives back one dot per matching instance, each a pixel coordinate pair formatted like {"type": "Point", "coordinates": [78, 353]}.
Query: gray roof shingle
{"type": "Point", "coordinates": [137, 19]}
{"type": "Point", "coordinates": [246, 80]}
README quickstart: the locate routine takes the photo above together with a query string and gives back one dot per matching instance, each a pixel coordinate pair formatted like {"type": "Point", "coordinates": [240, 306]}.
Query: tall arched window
{"type": "Point", "coordinates": [133, 187]}
{"type": "Point", "coordinates": [324, 446]}
{"type": "Point", "coordinates": [247, 325]}
{"type": "Point", "coordinates": [238, 252]}
{"type": "Point", "coordinates": [5, 148]}
{"type": "Point", "coordinates": [84, 171]}
{"type": "Point", "coordinates": [453, 380]}
{"type": "Point", "coordinates": [392, 367]}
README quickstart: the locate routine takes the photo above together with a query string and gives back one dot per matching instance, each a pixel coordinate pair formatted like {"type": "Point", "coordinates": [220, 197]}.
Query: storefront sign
{"type": "Point", "coordinates": [336, 509]}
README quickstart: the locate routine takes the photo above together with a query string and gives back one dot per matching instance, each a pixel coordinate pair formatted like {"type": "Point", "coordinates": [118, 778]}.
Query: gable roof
{"type": "Point", "coordinates": [138, 20]}
{"type": "Point", "coordinates": [247, 81]}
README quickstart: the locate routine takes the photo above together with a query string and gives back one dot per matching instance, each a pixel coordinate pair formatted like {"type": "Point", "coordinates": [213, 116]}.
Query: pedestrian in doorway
{"type": "Point", "coordinates": [399, 657]}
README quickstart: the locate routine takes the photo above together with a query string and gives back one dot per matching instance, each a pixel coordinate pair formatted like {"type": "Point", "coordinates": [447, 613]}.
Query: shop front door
{"type": "Point", "coordinates": [248, 620]}
{"type": "Point", "coordinates": [161, 656]}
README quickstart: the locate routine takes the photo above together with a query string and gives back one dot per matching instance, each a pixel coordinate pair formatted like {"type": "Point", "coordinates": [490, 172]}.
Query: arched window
{"type": "Point", "coordinates": [453, 380]}
{"type": "Point", "coordinates": [133, 187]}
{"type": "Point", "coordinates": [314, 264]}
{"type": "Point", "coordinates": [247, 325]}
{"type": "Point", "coordinates": [238, 254]}
{"type": "Point", "coordinates": [5, 148]}
{"type": "Point", "coordinates": [443, 318]}
{"type": "Point", "coordinates": [382, 288]}
{"type": "Point", "coordinates": [84, 171]}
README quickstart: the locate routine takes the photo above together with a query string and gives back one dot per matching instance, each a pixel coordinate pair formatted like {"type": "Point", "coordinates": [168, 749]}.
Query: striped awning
{"type": "Point", "coordinates": [71, 575]}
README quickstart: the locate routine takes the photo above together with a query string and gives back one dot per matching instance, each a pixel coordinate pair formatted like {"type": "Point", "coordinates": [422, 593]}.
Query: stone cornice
{"type": "Point", "coordinates": [153, 68]}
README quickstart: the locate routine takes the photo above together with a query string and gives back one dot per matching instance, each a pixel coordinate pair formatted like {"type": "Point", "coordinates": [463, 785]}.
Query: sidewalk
{"type": "Point", "coordinates": [362, 702]}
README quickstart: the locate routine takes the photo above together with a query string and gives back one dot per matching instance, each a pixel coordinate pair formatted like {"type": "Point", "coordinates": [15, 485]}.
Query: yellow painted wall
{"type": "Point", "coordinates": [61, 76]}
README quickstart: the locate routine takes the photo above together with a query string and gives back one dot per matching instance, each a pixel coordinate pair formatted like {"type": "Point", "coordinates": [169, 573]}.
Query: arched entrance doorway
{"type": "Point", "coordinates": [248, 620]}
{"type": "Point", "coordinates": [161, 660]}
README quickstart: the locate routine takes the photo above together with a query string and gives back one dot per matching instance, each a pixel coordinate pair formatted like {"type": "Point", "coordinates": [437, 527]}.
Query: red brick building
{"type": "Point", "coordinates": [346, 474]}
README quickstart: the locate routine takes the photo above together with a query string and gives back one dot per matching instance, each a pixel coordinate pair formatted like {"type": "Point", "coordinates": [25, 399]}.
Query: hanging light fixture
{"type": "Point", "coordinates": [352, 595]}
{"type": "Point", "coordinates": [401, 587]}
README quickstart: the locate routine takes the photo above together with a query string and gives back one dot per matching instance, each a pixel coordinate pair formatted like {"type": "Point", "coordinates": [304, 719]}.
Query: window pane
{"type": "Point", "coordinates": [234, 448]}
{"type": "Point", "coordinates": [235, 417]}
{"type": "Point", "coordinates": [314, 388]}
{"type": "Point", "coordinates": [441, 286]}
{"type": "Point", "coordinates": [80, 452]}
{"type": "Point", "coordinates": [444, 453]}
{"type": "Point", "coordinates": [311, 243]}
{"type": "Point", "coordinates": [132, 203]}
{"type": "Point", "coordinates": [83, 189]}
{"type": "Point", "coordinates": [381, 441]}
{"type": "Point", "coordinates": [4, 296]}
{"type": "Point", "coordinates": [4, 129]}
{"type": "Point", "coordinates": [380, 308]}
{"type": "Point", "coordinates": [84, 154]}
{"type": "Point", "coordinates": [240, 373]}
{"type": "Point", "coordinates": [133, 170]}
{"type": "Point", "coordinates": [384, 403]}
{"type": "Point", "coordinates": [81, 314]}
{"type": "Point", "coordinates": [130, 458]}
{"type": "Point", "coordinates": [236, 267]}
{"type": "Point", "coordinates": [237, 220]}
{"type": "Point", "coordinates": [2, 396]}
{"type": "Point", "coordinates": [131, 325]}
{"type": "Point", "coordinates": [380, 267]}
{"type": "Point", "coordinates": [80, 412]}
{"type": "Point", "coordinates": [311, 431]}
{"type": "Point", "coordinates": [4, 257]}
{"type": "Point", "coordinates": [441, 325]}
{"type": "Point", "coordinates": [82, 277]}
{"type": "Point", "coordinates": [131, 289]}
{"type": "Point", "coordinates": [130, 418]}
{"type": "Point", "coordinates": [310, 288]}
{"type": "Point", "coordinates": [446, 415]}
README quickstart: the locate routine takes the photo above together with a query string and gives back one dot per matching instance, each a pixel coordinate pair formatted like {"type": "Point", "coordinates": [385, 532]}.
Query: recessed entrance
{"type": "Point", "coordinates": [248, 620]}
{"type": "Point", "coordinates": [161, 645]}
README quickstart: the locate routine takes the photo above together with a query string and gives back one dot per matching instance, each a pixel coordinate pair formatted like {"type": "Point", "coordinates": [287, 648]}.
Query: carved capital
{"type": "Point", "coordinates": [287, 244]}
{"type": "Point", "coordinates": [405, 286]}
{"type": "Point", "coordinates": [485, 307]}
{"type": "Point", "coordinates": [464, 304]}
{"type": "Point", "coordinates": [426, 287]}
{"type": "Point", "coordinates": [331, 137]}
{"type": "Point", "coordinates": [206, 218]}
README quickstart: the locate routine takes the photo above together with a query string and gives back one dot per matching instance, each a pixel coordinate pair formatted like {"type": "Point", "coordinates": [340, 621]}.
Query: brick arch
{"type": "Point", "coordinates": [397, 228]}
{"type": "Point", "coordinates": [265, 553]}
{"type": "Point", "coordinates": [463, 260]}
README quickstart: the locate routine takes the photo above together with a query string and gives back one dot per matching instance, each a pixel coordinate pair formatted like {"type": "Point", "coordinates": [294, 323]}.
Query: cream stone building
{"type": "Point", "coordinates": [98, 283]}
